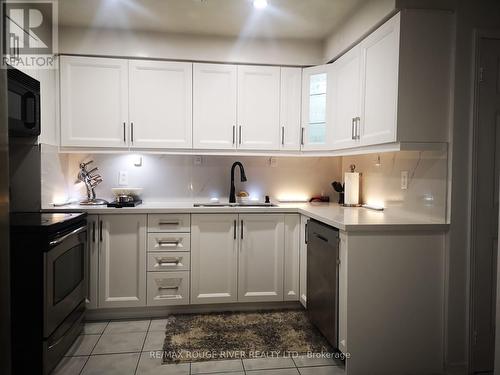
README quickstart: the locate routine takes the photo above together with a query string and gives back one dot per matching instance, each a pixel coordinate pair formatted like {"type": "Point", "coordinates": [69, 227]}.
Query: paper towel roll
{"type": "Point", "coordinates": [351, 190]}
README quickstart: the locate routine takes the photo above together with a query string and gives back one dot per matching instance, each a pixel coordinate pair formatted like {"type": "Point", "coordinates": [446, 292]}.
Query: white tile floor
{"type": "Point", "coordinates": [123, 347]}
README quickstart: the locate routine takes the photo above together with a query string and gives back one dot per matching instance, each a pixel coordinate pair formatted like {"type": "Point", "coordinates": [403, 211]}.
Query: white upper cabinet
{"type": "Point", "coordinates": [316, 124]}
{"type": "Point", "coordinates": [260, 274]}
{"type": "Point", "coordinates": [380, 52]}
{"type": "Point", "coordinates": [160, 104]}
{"type": "Point", "coordinates": [258, 107]}
{"type": "Point", "coordinates": [395, 85]}
{"type": "Point", "coordinates": [290, 103]}
{"type": "Point", "coordinates": [214, 258]}
{"type": "Point", "coordinates": [346, 99]}
{"type": "Point", "coordinates": [94, 102]}
{"type": "Point", "coordinates": [214, 106]}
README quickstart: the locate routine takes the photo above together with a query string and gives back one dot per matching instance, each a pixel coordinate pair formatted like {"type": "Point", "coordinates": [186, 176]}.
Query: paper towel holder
{"type": "Point", "coordinates": [352, 168]}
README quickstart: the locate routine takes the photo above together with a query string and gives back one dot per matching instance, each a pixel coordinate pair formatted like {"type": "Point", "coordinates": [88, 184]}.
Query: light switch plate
{"type": "Point", "coordinates": [123, 178]}
{"type": "Point", "coordinates": [404, 180]}
{"type": "Point", "coordinates": [273, 162]}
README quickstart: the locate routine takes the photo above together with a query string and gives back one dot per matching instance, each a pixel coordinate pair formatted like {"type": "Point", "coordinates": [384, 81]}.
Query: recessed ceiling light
{"type": "Point", "coordinates": [259, 4]}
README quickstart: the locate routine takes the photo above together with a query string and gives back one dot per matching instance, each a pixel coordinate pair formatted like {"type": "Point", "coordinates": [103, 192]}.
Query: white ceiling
{"type": "Point", "coordinates": [304, 19]}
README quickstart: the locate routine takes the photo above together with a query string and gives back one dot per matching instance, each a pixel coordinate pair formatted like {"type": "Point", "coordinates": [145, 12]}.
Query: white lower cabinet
{"type": "Point", "coordinates": [291, 260]}
{"type": "Point", "coordinates": [169, 261]}
{"type": "Point", "coordinates": [214, 251]}
{"type": "Point", "coordinates": [122, 260]}
{"type": "Point", "coordinates": [240, 258]}
{"type": "Point", "coordinates": [342, 344]}
{"type": "Point", "coordinates": [93, 261]}
{"type": "Point", "coordinates": [168, 288]}
{"type": "Point", "coordinates": [260, 271]}
{"type": "Point", "coordinates": [303, 260]}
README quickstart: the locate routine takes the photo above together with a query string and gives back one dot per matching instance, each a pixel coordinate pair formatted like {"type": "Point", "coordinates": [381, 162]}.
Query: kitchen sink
{"type": "Point", "coordinates": [234, 205]}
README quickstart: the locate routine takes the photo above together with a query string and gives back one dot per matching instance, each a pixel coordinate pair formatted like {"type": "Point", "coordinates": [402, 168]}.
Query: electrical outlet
{"type": "Point", "coordinates": [404, 180]}
{"type": "Point", "coordinates": [198, 160]}
{"type": "Point", "coordinates": [273, 162]}
{"type": "Point", "coordinates": [123, 178]}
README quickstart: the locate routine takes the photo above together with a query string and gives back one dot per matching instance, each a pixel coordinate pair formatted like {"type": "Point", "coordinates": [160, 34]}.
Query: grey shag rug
{"type": "Point", "coordinates": [215, 336]}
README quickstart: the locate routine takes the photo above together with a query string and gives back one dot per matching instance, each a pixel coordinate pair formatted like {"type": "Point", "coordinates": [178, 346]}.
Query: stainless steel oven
{"type": "Point", "coordinates": [65, 276]}
{"type": "Point", "coordinates": [49, 273]}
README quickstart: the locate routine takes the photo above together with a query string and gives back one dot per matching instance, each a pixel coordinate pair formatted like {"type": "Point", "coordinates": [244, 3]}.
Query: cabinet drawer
{"type": "Point", "coordinates": [169, 261]}
{"type": "Point", "coordinates": [168, 288]}
{"type": "Point", "coordinates": [169, 242]}
{"type": "Point", "coordinates": [169, 223]}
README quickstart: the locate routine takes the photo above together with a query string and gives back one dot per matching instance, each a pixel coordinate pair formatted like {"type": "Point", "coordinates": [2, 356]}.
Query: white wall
{"type": "Point", "coordinates": [427, 183]}
{"type": "Point", "coordinates": [76, 40]}
{"type": "Point", "coordinates": [177, 178]}
{"type": "Point", "coordinates": [355, 27]}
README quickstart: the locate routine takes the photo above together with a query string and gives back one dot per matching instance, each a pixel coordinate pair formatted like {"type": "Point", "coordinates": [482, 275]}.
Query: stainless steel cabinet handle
{"type": "Point", "coordinates": [132, 132]}
{"type": "Point", "coordinates": [353, 122]}
{"type": "Point", "coordinates": [93, 231]}
{"type": "Point", "coordinates": [239, 135]}
{"type": "Point", "coordinates": [124, 133]}
{"type": "Point", "coordinates": [58, 240]}
{"type": "Point", "coordinates": [234, 134]}
{"type": "Point", "coordinates": [100, 230]}
{"type": "Point", "coordinates": [171, 222]}
{"type": "Point", "coordinates": [168, 288]}
{"type": "Point", "coordinates": [358, 127]}
{"type": "Point", "coordinates": [168, 262]}
{"type": "Point", "coordinates": [241, 229]}
{"type": "Point", "coordinates": [234, 230]}
{"type": "Point", "coordinates": [282, 135]}
{"type": "Point", "coordinates": [168, 243]}
{"type": "Point", "coordinates": [306, 238]}
{"type": "Point", "coordinates": [302, 136]}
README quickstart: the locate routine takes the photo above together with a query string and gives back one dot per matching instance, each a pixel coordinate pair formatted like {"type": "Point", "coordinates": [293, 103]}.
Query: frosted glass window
{"type": "Point", "coordinates": [317, 84]}
{"type": "Point", "coordinates": [317, 108]}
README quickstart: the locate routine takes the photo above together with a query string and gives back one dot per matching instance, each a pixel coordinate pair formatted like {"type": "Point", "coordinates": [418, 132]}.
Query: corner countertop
{"type": "Point", "coordinates": [343, 218]}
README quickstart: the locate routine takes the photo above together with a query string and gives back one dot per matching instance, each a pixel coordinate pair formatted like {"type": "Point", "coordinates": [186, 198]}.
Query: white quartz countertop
{"type": "Point", "coordinates": [343, 218]}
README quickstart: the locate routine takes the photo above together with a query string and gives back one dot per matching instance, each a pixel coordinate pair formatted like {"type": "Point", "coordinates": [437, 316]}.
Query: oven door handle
{"type": "Point", "coordinates": [58, 240]}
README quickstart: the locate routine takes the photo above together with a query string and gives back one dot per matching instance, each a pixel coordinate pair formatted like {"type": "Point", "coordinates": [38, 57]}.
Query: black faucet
{"type": "Point", "coordinates": [232, 197]}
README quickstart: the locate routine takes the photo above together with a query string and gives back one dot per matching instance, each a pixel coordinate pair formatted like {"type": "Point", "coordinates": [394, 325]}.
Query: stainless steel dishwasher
{"type": "Point", "coordinates": [322, 278]}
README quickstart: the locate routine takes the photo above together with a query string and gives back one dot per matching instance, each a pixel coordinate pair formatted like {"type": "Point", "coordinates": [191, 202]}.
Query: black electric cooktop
{"type": "Point", "coordinates": [48, 223]}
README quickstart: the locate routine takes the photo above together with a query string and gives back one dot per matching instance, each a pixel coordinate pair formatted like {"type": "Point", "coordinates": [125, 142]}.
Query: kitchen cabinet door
{"type": "Point", "coordinates": [290, 101]}
{"type": "Point", "coordinates": [303, 260]}
{"type": "Point", "coordinates": [94, 102]}
{"type": "Point", "coordinates": [291, 258]}
{"type": "Point", "coordinates": [214, 106]}
{"type": "Point", "coordinates": [380, 51]}
{"type": "Point", "coordinates": [93, 261]}
{"type": "Point", "coordinates": [258, 107]}
{"type": "Point", "coordinates": [316, 116]}
{"type": "Point", "coordinates": [214, 258]}
{"type": "Point", "coordinates": [122, 260]}
{"type": "Point", "coordinates": [342, 344]}
{"type": "Point", "coordinates": [260, 271]}
{"type": "Point", "coordinates": [160, 102]}
{"type": "Point", "coordinates": [346, 99]}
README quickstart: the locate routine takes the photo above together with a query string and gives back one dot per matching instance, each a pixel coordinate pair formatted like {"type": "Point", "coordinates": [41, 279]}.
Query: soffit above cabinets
{"type": "Point", "coordinates": [294, 19]}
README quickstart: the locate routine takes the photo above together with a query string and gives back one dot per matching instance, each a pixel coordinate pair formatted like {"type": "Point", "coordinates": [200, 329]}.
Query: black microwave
{"type": "Point", "coordinates": [23, 104]}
